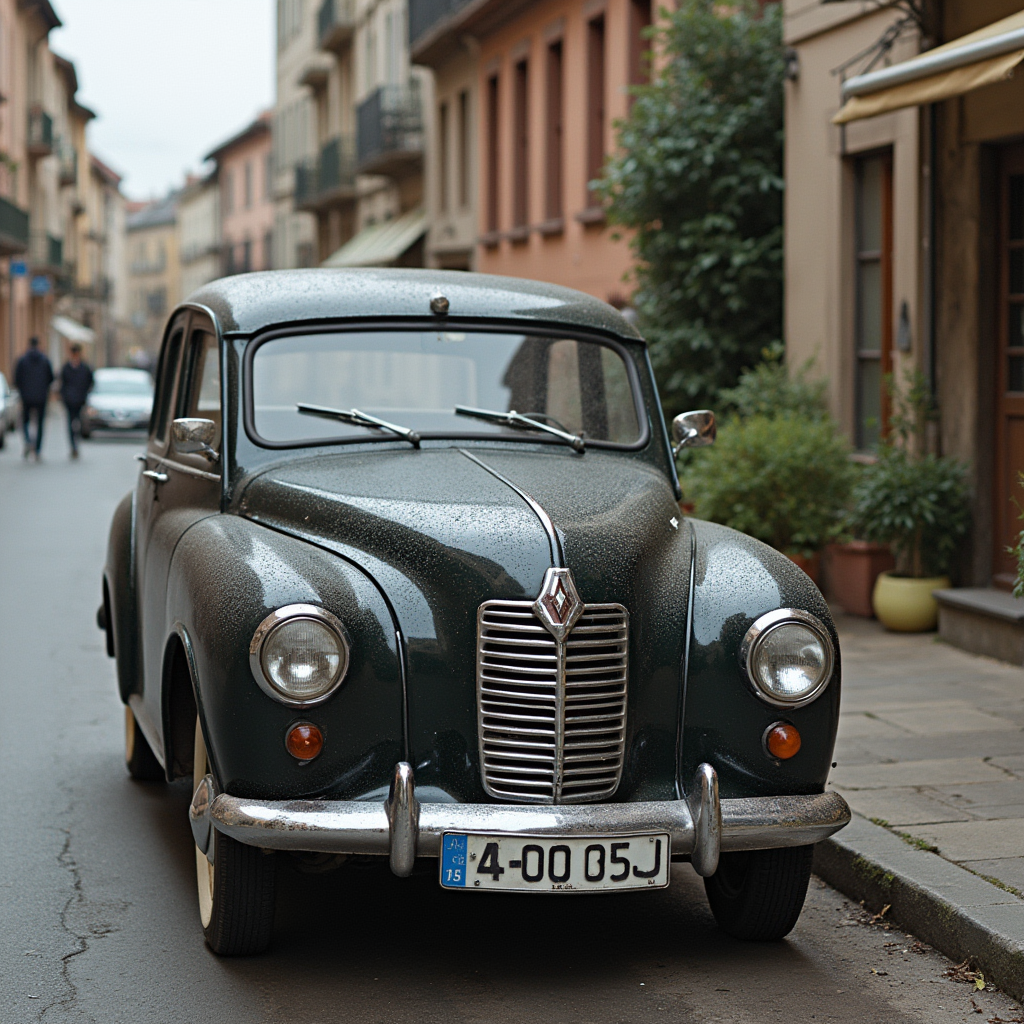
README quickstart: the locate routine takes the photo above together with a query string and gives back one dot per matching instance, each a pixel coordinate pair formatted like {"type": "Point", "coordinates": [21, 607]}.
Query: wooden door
{"type": "Point", "coordinates": [1009, 375]}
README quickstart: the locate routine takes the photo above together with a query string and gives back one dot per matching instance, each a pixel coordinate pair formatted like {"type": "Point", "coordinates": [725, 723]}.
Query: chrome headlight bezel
{"type": "Point", "coordinates": [294, 613]}
{"type": "Point", "coordinates": [762, 628]}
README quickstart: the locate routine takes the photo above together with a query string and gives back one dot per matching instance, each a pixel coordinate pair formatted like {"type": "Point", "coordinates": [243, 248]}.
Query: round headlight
{"type": "Point", "coordinates": [299, 654]}
{"type": "Point", "coordinates": [788, 656]}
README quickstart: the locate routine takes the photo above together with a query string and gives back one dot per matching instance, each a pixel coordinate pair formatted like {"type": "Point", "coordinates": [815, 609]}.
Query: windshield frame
{"type": "Point", "coordinates": [474, 326]}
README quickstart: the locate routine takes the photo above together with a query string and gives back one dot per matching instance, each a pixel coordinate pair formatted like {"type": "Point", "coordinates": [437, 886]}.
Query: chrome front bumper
{"type": "Point", "coordinates": [402, 828]}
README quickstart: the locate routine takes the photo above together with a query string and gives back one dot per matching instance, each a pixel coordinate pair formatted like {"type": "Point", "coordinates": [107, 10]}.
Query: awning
{"type": "Point", "coordinates": [73, 331]}
{"type": "Point", "coordinates": [382, 244]}
{"type": "Point", "coordinates": [981, 58]}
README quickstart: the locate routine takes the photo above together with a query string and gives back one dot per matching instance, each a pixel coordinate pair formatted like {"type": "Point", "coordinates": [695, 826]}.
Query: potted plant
{"type": "Point", "coordinates": [785, 479]}
{"type": "Point", "coordinates": [915, 503]}
{"type": "Point", "coordinates": [918, 505]}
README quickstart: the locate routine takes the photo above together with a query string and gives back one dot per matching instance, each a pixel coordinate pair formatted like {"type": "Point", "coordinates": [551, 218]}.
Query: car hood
{"type": "Point", "coordinates": [127, 403]}
{"type": "Point", "coordinates": [442, 530]}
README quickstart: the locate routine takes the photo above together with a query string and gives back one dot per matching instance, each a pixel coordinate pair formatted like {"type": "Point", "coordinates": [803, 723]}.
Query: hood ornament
{"type": "Point", "coordinates": [558, 605]}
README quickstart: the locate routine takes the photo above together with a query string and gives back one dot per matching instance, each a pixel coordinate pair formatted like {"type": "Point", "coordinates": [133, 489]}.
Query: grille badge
{"type": "Point", "coordinates": [558, 606]}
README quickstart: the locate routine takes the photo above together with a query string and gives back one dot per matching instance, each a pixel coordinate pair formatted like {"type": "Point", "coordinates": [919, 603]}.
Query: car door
{"type": "Point", "coordinates": [179, 489]}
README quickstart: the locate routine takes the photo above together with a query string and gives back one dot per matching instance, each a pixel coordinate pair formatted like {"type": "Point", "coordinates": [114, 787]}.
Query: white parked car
{"type": "Point", "coordinates": [121, 399]}
{"type": "Point", "coordinates": [10, 408]}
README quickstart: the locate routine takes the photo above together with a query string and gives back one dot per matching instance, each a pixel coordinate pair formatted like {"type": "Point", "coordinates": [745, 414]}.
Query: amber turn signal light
{"type": "Point", "coordinates": [782, 740]}
{"type": "Point", "coordinates": [304, 741]}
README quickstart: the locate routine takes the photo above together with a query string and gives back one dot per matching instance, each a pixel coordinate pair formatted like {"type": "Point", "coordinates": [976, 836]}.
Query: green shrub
{"type": "Point", "coordinates": [919, 505]}
{"type": "Point", "coordinates": [769, 389]}
{"type": "Point", "coordinates": [784, 479]}
{"type": "Point", "coordinates": [698, 175]}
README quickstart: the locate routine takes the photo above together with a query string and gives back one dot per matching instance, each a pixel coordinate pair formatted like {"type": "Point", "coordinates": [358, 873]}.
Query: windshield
{"type": "Point", "coordinates": [140, 385]}
{"type": "Point", "coordinates": [416, 378]}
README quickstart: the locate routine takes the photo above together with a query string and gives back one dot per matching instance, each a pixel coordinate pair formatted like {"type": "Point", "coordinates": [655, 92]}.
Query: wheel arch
{"type": "Point", "coordinates": [180, 689]}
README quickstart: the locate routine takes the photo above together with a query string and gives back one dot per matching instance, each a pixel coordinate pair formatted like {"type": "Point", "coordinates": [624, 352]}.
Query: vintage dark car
{"type": "Point", "coordinates": [405, 575]}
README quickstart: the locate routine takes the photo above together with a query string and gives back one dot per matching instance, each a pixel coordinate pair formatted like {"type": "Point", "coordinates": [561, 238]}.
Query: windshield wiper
{"type": "Point", "coordinates": [360, 419]}
{"type": "Point", "coordinates": [521, 422]}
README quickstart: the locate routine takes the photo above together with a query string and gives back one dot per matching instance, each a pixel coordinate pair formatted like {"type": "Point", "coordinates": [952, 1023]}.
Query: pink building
{"type": "Point", "coordinates": [244, 174]}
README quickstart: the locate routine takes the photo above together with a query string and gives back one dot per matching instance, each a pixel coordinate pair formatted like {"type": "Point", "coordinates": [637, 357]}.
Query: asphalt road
{"type": "Point", "coordinates": [98, 918]}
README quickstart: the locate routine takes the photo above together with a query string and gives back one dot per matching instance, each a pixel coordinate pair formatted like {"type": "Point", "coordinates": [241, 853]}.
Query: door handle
{"type": "Point", "coordinates": [158, 478]}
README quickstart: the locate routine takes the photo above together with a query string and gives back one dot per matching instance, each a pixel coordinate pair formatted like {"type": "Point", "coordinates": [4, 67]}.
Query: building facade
{"type": "Point", "coordinates": [245, 181]}
{"type": "Point", "coordinates": [199, 233]}
{"type": "Point", "coordinates": [294, 133]}
{"type": "Point", "coordinates": [154, 274]}
{"type": "Point", "coordinates": [905, 186]}
{"type": "Point", "coordinates": [525, 107]}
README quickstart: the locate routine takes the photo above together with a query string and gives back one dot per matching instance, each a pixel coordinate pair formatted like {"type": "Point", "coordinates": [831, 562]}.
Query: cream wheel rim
{"type": "Point", "coordinates": [204, 869]}
{"type": "Point", "coordinates": [129, 734]}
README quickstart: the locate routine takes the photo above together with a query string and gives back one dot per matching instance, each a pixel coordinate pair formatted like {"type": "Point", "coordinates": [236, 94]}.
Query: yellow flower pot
{"type": "Point", "coordinates": [906, 605]}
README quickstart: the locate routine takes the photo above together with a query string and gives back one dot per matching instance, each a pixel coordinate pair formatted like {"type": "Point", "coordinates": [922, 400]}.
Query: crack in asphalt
{"type": "Point", "coordinates": [67, 861]}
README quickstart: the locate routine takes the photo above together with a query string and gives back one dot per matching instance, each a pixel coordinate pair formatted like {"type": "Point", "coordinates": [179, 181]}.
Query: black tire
{"type": "Point", "coordinates": [3, 435]}
{"type": "Point", "coordinates": [138, 754]}
{"type": "Point", "coordinates": [236, 889]}
{"type": "Point", "coordinates": [86, 431]}
{"type": "Point", "coordinates": [758, 895]}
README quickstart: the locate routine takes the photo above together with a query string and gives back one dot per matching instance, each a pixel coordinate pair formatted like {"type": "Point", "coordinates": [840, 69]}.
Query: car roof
{"type": "Point", "coordinates": [247, 303]}
{"type": "Point", "coordinates": [121, 373]}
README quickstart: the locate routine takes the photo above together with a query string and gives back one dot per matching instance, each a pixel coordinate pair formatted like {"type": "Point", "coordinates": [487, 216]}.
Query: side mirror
{"type": "Point", "coordinates": [694, 429]}
{"type": "Point", "coordinates": [195, 436]}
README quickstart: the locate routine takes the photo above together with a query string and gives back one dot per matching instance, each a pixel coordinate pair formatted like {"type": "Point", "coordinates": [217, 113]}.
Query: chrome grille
{"type": "Point", "coordinates": [551, 717]}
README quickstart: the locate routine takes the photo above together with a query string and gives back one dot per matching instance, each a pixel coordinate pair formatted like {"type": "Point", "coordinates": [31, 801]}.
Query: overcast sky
{"type": "Point", "coordinates": [169, 79]}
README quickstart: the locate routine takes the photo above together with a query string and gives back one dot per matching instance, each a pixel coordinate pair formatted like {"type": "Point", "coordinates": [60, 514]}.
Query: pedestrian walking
{"type": "Point", "coordinates": [75, 385]}
{"type": "Point", "coordinates": [33, 376]}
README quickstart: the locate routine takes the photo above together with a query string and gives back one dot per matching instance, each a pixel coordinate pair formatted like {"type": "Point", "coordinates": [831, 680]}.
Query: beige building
{"type": "Point", "coordinates": [154, 273]}
{"type": "Point", "coordinates": [905, 231]}
{"type": "Point", "coordinates": [294, 132]}
{"type": "Point", "coordinates": [199, 238]}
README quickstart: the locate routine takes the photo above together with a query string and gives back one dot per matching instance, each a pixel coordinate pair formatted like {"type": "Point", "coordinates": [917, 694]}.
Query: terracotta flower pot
{"type": "Point", "coordinates": [850, 573]}
{"type": "Point", "coordinates": [906, 605]}
{"type": "Point", "coordinates": [810, 565]}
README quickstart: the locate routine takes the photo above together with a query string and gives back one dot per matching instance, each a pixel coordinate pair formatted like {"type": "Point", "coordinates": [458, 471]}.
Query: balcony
{"type": "Point", "coordinates": [426, 18]}
{"type": "Point", "coordinates": [40, 133]}
{"type": "Point", "coordinates": [328, 180]}
{"type": "Point", "coordinates": [13, 228]}
{"type": "Point", "coordinates": [68, 162]}
{"type": "Point", "coordinates": [46, 252]}
{"type": "Point", "coordinates": [336, 21]}
{"type": "Point", "coordinates": [389, 130]}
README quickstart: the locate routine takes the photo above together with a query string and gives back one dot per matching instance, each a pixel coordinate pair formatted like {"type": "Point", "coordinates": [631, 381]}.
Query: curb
{"type": "Point", "coordinates": [956, 912]}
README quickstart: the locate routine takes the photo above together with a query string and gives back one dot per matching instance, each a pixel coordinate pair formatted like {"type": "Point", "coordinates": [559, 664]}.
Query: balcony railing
{"type": "Point", "coordinates": [68, 162]}
{"type": "Point", "coordinates": [389, 126]}
{"type": "Point", "coordinates": [13, 228]}
{"type": "Point", "coordinates": [330, 177]}
{"type": "Point", "coordinates": [425, 15]}
{"type": "Point", "coordinates": [46, 251]}
{"type": "Point", "coordinates": [40, 133]}
{"type": "Point", "coordinates": [336, 21]}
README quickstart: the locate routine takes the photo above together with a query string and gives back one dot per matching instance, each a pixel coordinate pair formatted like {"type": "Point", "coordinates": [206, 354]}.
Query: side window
{"type": "Point", "coordinates": [167, 374]}
{"type": "Point", "coordinates": [202, 399]}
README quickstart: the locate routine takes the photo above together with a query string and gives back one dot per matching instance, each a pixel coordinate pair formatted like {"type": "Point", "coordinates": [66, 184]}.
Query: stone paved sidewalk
{"type": "Point", "coordinates": [931, 744]}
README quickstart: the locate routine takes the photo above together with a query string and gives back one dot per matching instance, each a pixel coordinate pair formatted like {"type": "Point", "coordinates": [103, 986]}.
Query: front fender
{"type": "Point", "coordinates": [226, 576]}
{"type": "Point", "coordinates": [737, 579]}
{"type": "Point", "coordinates": [120, 597]}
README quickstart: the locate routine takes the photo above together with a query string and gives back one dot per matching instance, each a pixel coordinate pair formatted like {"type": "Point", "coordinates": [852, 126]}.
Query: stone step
{"type": "Point", "coordinates": [983, 620]}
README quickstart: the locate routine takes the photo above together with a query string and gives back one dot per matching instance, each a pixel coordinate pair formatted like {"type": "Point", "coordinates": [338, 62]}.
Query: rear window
{"type": "Point", "coordinates": [416, 378]}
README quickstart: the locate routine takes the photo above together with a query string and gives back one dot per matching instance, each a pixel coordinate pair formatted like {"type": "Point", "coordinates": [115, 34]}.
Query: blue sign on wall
{"type": "Point", "coordinates": [19, 268]}
{"type": "Point", "coordinates": [40, 285]}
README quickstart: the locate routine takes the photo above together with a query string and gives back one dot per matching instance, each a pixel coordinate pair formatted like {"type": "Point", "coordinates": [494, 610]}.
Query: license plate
{"type": "Point", "coordinates": [534, 864]}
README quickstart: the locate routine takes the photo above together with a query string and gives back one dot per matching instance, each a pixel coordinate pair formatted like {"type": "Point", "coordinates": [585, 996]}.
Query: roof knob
{"type": "Point", "coordinates": [439, 304]}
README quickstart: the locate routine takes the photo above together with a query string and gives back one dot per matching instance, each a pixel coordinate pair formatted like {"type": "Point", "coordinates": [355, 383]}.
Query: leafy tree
{"type": "Point", "coordinates": [699, 178]}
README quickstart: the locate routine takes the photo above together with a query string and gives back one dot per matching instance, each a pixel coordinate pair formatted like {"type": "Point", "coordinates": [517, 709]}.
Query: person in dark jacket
{"type": "Point", "coordinates": [33, 376]}
{"type": "Point", "coordinates": [75, 385]}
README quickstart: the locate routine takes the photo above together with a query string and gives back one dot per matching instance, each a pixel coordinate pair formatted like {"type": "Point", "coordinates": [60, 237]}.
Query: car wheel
{"type": "Point", "coordinates": [757, 895]}
{"type": "Point", "coordinates": [86, 431]}
{"type": "Point", "coordinates": [3, 435]}
{"type": "Point", "coordinates": [236, 886]}
{"type": "Point", "coordinates": [138, 754]}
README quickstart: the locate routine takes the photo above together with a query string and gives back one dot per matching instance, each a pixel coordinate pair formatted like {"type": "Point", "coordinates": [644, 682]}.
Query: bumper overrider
{"type": "Point", "coordinates": [701, 826]}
